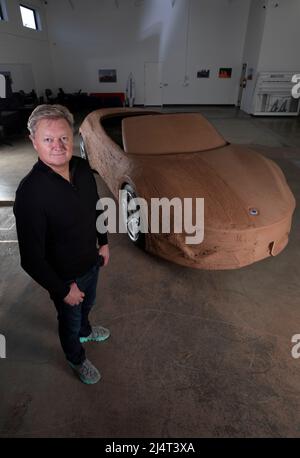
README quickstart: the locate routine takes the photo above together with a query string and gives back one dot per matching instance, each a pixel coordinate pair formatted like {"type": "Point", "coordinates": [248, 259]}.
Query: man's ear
{"type": "Point", "coordinates": [32, 140]}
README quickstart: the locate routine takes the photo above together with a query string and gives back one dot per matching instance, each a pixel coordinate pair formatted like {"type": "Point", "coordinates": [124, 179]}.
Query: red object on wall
{"type": "Point", "coordinates": [109, 95]}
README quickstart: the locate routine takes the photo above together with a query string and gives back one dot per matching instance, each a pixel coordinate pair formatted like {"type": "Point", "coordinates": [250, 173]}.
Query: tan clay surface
{"type": "Point", "coordinates": [231, 178]}
{"type": "Point", "coordinates": [169, 134]}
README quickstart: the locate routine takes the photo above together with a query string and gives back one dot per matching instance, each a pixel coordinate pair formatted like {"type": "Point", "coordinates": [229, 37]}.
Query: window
{"type": "Point", "coordinates": [29, 17]}
{"type": "Point", "coordinates": [3, 14]}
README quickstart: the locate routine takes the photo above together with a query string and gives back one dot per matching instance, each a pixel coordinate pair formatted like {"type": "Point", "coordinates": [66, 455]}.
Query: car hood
{"type": "Point", "coordinates": [233, 180]}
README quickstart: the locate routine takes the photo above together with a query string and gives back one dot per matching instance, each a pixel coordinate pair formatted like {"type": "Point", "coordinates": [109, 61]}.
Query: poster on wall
{"type": "Point", "coordinates": [225, 72]}
{"type": "Point", "coordinates": [203, 74]}
{"type": "Point", "coordinates": [250, 74]}
{"type": "Point", "coordinates": [107, 76]}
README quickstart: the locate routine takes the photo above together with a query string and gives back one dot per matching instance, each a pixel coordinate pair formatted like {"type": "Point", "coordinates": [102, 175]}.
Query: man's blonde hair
{"type": "Point", "coordinates": [48, 112]}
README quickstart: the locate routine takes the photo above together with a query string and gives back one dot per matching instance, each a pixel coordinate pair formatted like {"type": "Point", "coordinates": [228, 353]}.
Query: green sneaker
{"type": "Point", "coordinates": [87, 373]}
{"type": "Point", "coordinates": [98, 334]}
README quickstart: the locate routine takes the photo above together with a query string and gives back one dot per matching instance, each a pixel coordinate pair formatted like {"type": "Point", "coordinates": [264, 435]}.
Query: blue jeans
{"type": "Point", "coordinates": [73, 321]}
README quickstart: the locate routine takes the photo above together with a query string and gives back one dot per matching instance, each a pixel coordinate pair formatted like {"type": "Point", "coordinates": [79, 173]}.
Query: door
{"type": "Point", "coordinates": [153, 84]}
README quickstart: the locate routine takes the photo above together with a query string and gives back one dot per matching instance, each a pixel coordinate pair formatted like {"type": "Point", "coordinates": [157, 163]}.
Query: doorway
{"type": "Point", "coordinates": [153, 84]}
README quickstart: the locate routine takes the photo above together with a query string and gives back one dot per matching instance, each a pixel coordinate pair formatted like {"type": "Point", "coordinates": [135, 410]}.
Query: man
{"type": "Point", "coordinates": [55, 210]}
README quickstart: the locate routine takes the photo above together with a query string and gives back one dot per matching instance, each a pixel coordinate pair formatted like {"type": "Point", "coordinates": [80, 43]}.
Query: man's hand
{"type": "Point", "coordinates": [104, 251]}
{"type": "Point", "coordinates": [75, 296]}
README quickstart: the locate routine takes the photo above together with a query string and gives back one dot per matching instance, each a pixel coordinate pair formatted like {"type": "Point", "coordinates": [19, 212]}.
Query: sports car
{"type": "Point", "coordinates": [248, 205]}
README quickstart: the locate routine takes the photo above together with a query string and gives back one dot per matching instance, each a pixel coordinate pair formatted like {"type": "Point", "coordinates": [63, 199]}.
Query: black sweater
{"type": "Point", "coordinates": [56, 224]}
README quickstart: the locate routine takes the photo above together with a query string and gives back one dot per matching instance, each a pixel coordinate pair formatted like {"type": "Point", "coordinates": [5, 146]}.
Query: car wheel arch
{"type": "Point", "coordinates": [84, 154]}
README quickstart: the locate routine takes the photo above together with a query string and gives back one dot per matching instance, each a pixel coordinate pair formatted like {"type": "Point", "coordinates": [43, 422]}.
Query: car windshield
{"type": "Point", "coordinates": [169, 134]}
{"type": "Point", "coordinates": [112, 125]}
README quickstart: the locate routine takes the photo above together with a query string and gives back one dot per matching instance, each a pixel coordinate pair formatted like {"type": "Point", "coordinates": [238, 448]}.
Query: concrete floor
{"type": "Point", "coordinates": [192, 353]}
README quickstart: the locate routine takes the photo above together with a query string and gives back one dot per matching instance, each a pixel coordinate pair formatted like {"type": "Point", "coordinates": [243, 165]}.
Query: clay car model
{"type": "Point", "coordinates": [248, 204]}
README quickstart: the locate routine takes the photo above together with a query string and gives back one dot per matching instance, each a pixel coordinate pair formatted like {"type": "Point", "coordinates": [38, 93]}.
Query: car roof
{"type": "Point", "coordinates": [169, 134]}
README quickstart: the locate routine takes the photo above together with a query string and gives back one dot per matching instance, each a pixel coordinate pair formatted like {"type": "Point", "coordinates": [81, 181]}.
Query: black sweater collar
{"type": "Point", "coordinates": [40, 165]}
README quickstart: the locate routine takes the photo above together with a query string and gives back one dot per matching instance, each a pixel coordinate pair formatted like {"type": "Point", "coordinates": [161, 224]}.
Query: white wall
{"type": "Point", "coordinates": [92, 34]}
{"type": "Point", "coordinates": [271, 41]}
{"type": "Point", "coordinates": [252, 49]}
{"type": "Point", "coordinates": [82, 36]}
{"type": "Point", "coordinates": [280, 48]}
{"type": "Point", "coordinates": [215, 39]}
{"type": "Point", "coordinates": [25, 52]}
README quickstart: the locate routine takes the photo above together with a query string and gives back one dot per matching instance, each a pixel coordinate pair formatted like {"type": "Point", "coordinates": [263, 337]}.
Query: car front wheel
{"type": "Point", "coordinates": [132, 218]}
{"type": "Point", "coordinates": [82, 148]}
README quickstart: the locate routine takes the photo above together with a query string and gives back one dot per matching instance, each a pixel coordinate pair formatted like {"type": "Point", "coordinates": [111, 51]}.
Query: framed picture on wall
{"type": "Point", "coordinates": [107, 76]}
{"type": "Point", "coordinates": [225, 72]}
{"type": "Point", "coordinates": [250, 74]}
{"type": "Point", "coordinates": [203, 74]}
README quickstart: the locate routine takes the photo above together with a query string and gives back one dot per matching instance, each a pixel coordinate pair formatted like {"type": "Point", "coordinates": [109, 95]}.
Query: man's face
{"type": "Point", "coordinates": [53, 141]}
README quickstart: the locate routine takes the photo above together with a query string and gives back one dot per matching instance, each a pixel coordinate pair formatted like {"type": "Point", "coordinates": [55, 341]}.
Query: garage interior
{"type": "Point", "coordinates": [192, 353]}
